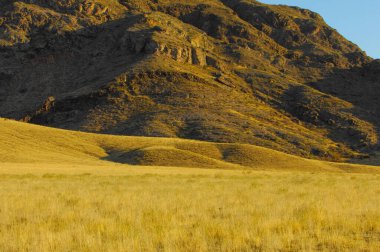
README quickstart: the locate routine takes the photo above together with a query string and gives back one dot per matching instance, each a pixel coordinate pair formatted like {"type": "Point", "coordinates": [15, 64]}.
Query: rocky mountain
{"type": "Point", "coordinates": [216, 70]}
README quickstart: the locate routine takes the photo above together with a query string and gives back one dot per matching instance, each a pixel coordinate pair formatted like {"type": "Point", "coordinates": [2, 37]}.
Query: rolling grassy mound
{"type": "Point", "coordinates": [25, 143]}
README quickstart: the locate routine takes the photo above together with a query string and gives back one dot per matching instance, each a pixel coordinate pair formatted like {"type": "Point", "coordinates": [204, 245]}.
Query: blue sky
{"type": "Point", "coordinates": [357, 20]}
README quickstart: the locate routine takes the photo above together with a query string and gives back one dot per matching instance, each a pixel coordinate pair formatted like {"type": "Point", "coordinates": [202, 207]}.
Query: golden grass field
{"type": "Point", "coordinates": [63, 191]}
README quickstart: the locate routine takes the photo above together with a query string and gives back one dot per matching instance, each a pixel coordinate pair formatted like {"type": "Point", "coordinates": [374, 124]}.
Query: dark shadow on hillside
{"type": "Point", "coordinates": [165, 156]}
{"type": "Point", "coordinates": [132, 157]}
{"type": "Point", "coordinates": [361, 87]}
{"type": "Point", "coordinates": [358, 126]}
{"type": "Point", "coordinates": [80, 61]}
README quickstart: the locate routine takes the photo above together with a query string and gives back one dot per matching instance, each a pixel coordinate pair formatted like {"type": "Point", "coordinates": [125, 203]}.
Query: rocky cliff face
{"type": "Point", "coordinates": [217, 70]}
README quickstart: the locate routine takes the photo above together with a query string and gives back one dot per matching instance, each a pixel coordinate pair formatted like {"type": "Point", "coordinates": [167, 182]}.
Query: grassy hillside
{"type": "Point", "coordinates": [25, 143]}
{"type": "Point", "coordinates": [63, 190]}
{"type": "Point", "coordinates": [143, 209]}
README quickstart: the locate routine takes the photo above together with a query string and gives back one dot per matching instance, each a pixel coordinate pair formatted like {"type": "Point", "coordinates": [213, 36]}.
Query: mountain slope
{"type": "Point", "coordinates": [216, 70]}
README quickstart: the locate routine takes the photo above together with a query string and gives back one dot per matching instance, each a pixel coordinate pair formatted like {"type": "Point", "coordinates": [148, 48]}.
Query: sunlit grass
{"type": "Point", "coordinates": [59, 191]}
{"type": "Point", "coordinates": [138, 209]}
